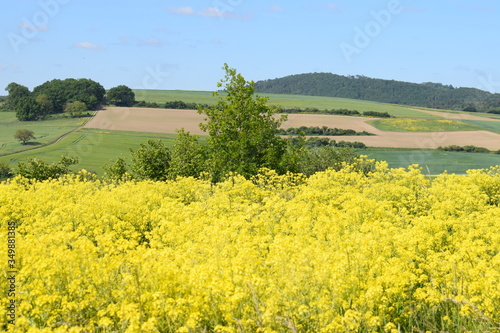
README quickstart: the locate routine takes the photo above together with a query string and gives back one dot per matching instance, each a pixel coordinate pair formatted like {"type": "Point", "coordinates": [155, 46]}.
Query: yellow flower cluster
{"type": "Point", "coordinates": [341, 251]}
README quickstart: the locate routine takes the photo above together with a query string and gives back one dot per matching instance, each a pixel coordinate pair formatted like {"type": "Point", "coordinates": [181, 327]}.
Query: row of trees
{"type": "Point", "coordinates": [69, 95]}
{"type": "Point", "coordinates": [322, 131]}
{"type": "Point", "coordinates": [432, 95]}
{"type": "Point", "coordinates": [339, 112]}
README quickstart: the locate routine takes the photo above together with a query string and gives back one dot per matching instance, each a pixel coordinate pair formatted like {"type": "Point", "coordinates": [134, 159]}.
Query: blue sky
{"type": "Point", "coordinates": [182, 44]}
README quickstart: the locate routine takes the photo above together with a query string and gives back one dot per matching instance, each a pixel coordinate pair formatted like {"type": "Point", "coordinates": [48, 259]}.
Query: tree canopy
{"type": "Point", "coordinates": [52, 97]}
{"type": "Point", "coordinates": [242, 129]}
{"type": "Point", "coordinates": [24, 135]}
{"type": "Point", "coordinates": [121, 96]}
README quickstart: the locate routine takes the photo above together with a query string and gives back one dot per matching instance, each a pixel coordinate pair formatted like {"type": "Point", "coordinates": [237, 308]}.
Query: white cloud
{"type": "Point", "coordinates": [182, 10]}
{"type": "Point", "coordinates": [88, 46]}
{"type": "Point", "coordinates": [207, 12]}
{"type": "Point", "coordinates": [213, 12]}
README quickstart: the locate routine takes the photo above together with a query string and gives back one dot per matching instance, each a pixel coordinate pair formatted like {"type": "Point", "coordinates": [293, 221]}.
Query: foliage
{"type": "Point", "coordinates": [242, 130]}
{"type": "Point", "coordinates": [5, 171]}
{"type": "Point", "coordinates": [467, 149]}
{"type": "Point", "coordinates": [117, 170]}
{"type": "Point", "coordinates": [27, 109]}
{"type": "Point", "coordinates": [325, 157]}
{"type": "Point", "coordinates": [24, 135]}
{"type": "Point", "coordinates": [377, 114]}
{"type": "Point", "coordinates": [46, 105]}
{"type": "Point", "coordinates": [16, 93]}
{"type": "Point", "coordinates": [431, 95]}
{"type": "Point", "coordinates": [61, 92]}
{"type": "Point", "coordinates": [52, 97]}
{"type": "Point", "coordinates": [121, 96]}
{"type": "Point", "coordinates": [75, 109]}
{"type": "Point", "coordinates": [37, 169]}
{"type": "Point", "coordinates": [151, 161]}
{"type": "Point", "coordinates": [389, 251]}
{"type": "Point", "coordinates": [188, 156]}
{"type": "Point", "coordinates": [315, 130]}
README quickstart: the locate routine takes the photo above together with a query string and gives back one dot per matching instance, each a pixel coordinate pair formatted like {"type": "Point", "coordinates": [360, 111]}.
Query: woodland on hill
{"type": "Point", "coordinates": [428, 94]}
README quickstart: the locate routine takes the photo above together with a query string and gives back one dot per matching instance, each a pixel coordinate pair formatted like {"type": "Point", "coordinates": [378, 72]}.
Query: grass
{"type": "Point", "coordinates": [422, 125]}
{"type": "Point", "coordinates": [93, 148]}
{"type": "Point", "coordinates": [286, 101]}
{"type": "Point", "coordinates": [46, 131]}
{"type": "Point", "coordinates": [493, 126]}
{"type": "Point", "coordinates": [433, 162]}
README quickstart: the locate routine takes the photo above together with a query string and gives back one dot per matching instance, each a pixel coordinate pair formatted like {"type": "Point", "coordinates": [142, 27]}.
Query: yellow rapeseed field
{"type": "Point", "coordinates": [391, 251]}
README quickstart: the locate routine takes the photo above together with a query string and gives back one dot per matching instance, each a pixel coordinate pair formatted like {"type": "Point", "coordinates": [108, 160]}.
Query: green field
{"type": "Point", "coordinates": [493, 126]}
{"type": "Point", "coordinates": [434, 162]}
{"type": "Point", "coordinates": [423, 125]}
{"type": "Point", "coordinates": [286, 101]}
{"type": "Point", "coordinates": [93, 148]}
{"type": "Point", "coordinates": [46, 131]}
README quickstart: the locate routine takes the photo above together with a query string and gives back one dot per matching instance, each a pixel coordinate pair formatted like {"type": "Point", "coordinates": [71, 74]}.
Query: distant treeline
{"type": "Point", "coordinates": [323, 142]}
{"type": "Point", "coordinates": [179, 105]}
{"type": "Point", "coordinates": [339, 112]}
{"type": "Point", "coordinates": [428, 94]}
{"type": "Point", "coordinates": [466, 149]}
{"type": "Point", "coordinates": [324, 131]}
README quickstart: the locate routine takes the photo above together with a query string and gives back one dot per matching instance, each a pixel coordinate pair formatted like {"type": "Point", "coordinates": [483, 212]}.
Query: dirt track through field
{"type": "Point", "coordinates": [168, 121]}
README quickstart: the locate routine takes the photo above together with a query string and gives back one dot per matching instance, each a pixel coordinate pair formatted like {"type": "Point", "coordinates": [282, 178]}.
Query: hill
{"type": "Point", "coordinates": [430, 95]}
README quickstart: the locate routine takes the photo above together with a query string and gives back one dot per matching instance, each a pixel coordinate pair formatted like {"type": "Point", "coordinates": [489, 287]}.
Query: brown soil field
{"type": "Point", "coordinates": [168, 121]}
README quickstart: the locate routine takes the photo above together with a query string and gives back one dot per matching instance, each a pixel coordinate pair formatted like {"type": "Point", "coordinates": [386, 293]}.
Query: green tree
{"type": "Point", "coordinates": [188, 156]}
{"type": "Point", "coordinates": [121, 96]}
{"type": "Point", "coordinates": [75, 109]}
{"type": "Point", "coordinates": [46, 105]}
{"type": "Point", "coordinates": [24, 135]}
{"type": "Point", "coordinates": [323, 158]}
{"type": "Point", "coordinates": [151, 161]}
{"type": "Point", "coordinates": [27, 109]}
{"type": "Point", "coordinates": [5, 171]}
{"type": "Point", "coordinates": [117, 170]}
{"type": "Point", "coordinates": [60, 92]}
{"type": "Point", "coordinates": [16, 93]}
{"type": "Point", "coordinates": [40, 170]}
{"type": "Point", "coordinates": [242, 130]}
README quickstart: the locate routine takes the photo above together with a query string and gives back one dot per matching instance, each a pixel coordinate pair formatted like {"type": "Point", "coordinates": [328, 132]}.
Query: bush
{"type": "Point", "coordinates": [40, 170]}
{"type": "Point", "coordinates": [325, 131]}
{"type": "Point", "coordinates": [75, 109]}
{"type": "Point", "coordinates": [466, 149]}
{"type": "Point", "coordinates": [5, 171]}
{"type": "Point", "coordinates": [377, 114]}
